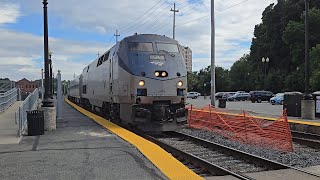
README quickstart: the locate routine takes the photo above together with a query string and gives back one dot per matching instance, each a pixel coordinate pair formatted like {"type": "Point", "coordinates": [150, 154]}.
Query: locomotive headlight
{"type": "Point", "coordinates": [156, 73]}
{"type": "Point", "coordinates": [163, 74]}
{"type": "Point", "coordinates": [180, 83]}
{"type": "Point", "coordinates": [141, 83]}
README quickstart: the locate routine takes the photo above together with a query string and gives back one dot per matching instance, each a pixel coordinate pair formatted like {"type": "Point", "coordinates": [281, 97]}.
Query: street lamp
{"type": "Point", "coordinates": [204, 90]}
{"type": "Point", "coordinates": [307, 104]}
{"type": "Point", "coordinates": [307, 95]}
{"type": "Point", "coordinates": [47, 102]}
{"type": "Point", "coordinates": [50, 73]}
{"type": "Point", "coordinates": [265, 65]}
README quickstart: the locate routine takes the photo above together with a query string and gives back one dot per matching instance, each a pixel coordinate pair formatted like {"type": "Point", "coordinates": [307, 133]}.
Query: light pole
{"type": "Point", "coordinates": [47, 102]}
{"type": "Point", "coordinates": [265, 62]}
{"type": "Point", "coordinates": [204, 90]}
{"type": "Point", "coordinates": [307, 104]}
{"type": "Point", "coordinates": [213, 72]}
{"type": "Point", "coordinates": [50, 73]}
{"type": "Point", "coordinates": [307, 95]}
{"type": "Point", "coordinates": [52, 85]}
{"type": "Point", "coordinates": [42, 86]}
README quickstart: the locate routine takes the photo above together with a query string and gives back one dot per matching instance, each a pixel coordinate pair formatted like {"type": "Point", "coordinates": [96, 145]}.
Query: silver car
{"type": "Point", "coordinates": [193, 95]}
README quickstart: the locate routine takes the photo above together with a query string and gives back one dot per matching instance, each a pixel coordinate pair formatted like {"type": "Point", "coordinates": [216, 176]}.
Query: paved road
{"type": "Point", "coordinates": [263, 108]}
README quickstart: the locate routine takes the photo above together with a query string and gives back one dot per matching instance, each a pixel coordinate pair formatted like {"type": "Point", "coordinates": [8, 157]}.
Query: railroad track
{"type": "Point", "coordinates": [311, 140]}
{"type": "Point", "coordinates": [211, 159]}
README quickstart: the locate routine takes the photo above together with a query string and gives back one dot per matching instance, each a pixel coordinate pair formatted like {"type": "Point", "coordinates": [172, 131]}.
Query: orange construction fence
{"type": "Point", "coordinates": [243, 127]}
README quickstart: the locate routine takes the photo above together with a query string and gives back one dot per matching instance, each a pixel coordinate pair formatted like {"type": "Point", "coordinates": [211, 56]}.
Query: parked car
{"type": "Point", "coordinates": [228, 94]}
{"type": "Point", "coordinates": [219, 95]}
{"type": "Point", "coordinates": [241, 92]}
{"type": "Point", "coordinates": [259, 96]}
{"type": "Point", "coordinates": [277, 99]}
{"type": "Point", "coordinates": [239, 97]}
{"type": "Point", "coordinates": [193, 95]}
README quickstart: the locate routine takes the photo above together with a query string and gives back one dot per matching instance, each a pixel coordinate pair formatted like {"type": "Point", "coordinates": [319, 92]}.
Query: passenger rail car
{"type": "Point", "coordinates": [141, 81]}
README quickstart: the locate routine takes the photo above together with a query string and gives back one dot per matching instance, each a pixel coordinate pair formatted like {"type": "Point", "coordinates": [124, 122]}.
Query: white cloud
{"type": "Point", "coordinates": [21, 55]}
{"type": "Point", "coordinates": [23, 52]}
{"type": "Point", "coordinates": [9, 13]}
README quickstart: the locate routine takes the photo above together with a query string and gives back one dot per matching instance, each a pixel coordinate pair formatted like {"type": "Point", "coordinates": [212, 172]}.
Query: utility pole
{"type": "Point", "coordinates": [47, 102]}
{"type": "Point", "coordinates": [307, 104]}
{"type": "Point", "coordinates": [42, 87]}
{"type": "Point", "coordinates": [116, 35]}
{"type": "Point", "coordinates": [307, 68]}
{"type": "Point", "coordinates": [174, 19]}
{"type": "Point", "coordinates": [213, 78]}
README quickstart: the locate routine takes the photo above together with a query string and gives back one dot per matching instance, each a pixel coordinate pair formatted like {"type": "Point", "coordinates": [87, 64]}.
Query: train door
{"type": "Point", "coordinates": [80, 87]}
{"type": "Point", "coordinates": [111, 73]}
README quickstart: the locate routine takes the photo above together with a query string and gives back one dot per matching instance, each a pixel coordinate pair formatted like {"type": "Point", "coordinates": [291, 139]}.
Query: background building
{"type": "Point", "coordinates": [26, 87]}
{"type": "Point", "coordinates": [187, 56]}
{"type": "Point", "coordinates": [6, 84]}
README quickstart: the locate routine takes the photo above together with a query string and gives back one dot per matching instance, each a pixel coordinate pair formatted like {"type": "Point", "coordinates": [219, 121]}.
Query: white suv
{"type": "Point", "coordinates": [193, 95]}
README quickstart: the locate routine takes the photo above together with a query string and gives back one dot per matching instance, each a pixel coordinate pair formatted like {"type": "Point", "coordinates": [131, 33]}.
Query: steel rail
{"type": "Point", "coordinates": [207, 166]}
{"type": "Point", "coordinates": [233, 152]}
{"type": "Point", "coordinates": [305, 135]}
{"type": "Point", "coordinates": [308, 139]}
{"type": "Point", "coordinates": [258, 159]}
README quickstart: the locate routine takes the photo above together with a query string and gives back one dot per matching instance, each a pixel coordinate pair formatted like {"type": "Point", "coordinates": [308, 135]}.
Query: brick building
{"type": "Point", "coordinates": [26, 86]}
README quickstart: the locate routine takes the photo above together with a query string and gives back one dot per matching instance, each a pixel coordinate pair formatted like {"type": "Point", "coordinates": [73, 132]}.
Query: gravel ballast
{"type": "Point", "coordinates": [303, 156]}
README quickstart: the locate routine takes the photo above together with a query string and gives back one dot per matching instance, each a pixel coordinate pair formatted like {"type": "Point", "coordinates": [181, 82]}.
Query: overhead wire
{"type": "Point", "coordinates": [158, 18]}
{"type": "Point", "coordinates": [179, 17]}
{"type": "Point", "coordinates": [217, 11]}
{"type": "Point", "coordinates": [133, 21]}
{"type": "Point", "coordinates": [150, 19]}
{"type": "Point", "coordinates": [160, 26]}
{"type": "Point", "coordinates": [146, 16]}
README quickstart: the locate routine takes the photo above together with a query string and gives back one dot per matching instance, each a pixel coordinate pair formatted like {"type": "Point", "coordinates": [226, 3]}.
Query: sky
{"type": "Point", "coordinates": [80, 29]}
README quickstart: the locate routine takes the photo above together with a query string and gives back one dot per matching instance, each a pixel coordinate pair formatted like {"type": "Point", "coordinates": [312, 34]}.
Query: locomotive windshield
{"type": "Point", "coordinates": [140, 46]}
{"type": "Point", "coordinates": [172, 48]}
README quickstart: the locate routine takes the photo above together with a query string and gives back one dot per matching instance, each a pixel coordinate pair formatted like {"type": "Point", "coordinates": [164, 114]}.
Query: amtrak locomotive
{"type": "Point", "coordinates": [141, 81]}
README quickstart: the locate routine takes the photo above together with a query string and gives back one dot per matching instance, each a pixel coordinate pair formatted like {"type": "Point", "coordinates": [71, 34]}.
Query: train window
{"type": "Point", "coordinates": [106, 56]}
{"type": "Point", "coordinates": [173, 48]}
{"type": "Point", "coordinates": [84, 89]}
{"type": "Point", "coordinates": [140, 46]}
{"type": "Point", "coordinates": [88, 68]}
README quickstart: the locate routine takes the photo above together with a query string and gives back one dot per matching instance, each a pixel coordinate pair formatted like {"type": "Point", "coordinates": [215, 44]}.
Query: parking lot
{"type": "Point", "coordinates": [264, 108]}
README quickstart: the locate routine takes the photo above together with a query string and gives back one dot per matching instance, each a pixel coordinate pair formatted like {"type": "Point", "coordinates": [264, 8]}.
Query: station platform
{"type": "Point", "coordinates": [8, 126]}
{"type": "Point", "coordinates": [78, 149]}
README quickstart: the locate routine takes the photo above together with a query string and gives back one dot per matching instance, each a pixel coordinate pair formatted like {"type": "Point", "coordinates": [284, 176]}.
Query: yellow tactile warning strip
{"type": "Point", "coordinates": [164, 161]}
{"type": "Point", "coordinates": [272, 119]}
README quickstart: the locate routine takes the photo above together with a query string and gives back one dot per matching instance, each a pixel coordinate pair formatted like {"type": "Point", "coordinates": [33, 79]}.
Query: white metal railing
{"type": "Point", "coordinates": [8, 98]}
{"type": "Point", "coordinates": [30, 103]}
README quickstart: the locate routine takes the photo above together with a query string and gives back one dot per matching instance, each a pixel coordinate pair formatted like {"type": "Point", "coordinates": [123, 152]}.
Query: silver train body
{"type": "Point", "coordinates": [141, 81]}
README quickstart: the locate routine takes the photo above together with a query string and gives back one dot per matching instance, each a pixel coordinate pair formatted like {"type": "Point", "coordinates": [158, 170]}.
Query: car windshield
{"type": "Point", "coordinates": [279, 94]}
{"type": "Point", "coordinates": [172, 48]}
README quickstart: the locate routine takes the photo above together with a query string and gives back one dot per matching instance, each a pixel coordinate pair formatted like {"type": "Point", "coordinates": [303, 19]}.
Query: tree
{"type": "Point", "coordinates": [315, 68]}
{"type": "Point", "coordinates": [240, 74]}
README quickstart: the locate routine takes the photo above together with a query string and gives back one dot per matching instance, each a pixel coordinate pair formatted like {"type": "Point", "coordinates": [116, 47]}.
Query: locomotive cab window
{"type": "Point", "coordinates": [140, 46]}
{"type": "Point", "coordinates": [172, 48]}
